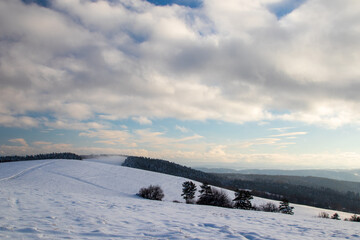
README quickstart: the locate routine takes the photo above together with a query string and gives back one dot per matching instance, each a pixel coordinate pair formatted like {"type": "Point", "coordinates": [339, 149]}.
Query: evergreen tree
{"type": "Point", "coordinates": [285, 207]}
{"type": "Point", "coordinates": [189, 189]}
{"type": "Point", "coordinates": [335, 216]}
{"type": "Point", "coordinates": [242, 199]}
{"type": "Point", "coordinates": [206, 195]}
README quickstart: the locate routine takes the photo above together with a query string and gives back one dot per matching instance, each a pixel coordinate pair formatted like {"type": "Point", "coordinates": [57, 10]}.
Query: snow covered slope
{"type": "Point", "coordinates": [66, 199]}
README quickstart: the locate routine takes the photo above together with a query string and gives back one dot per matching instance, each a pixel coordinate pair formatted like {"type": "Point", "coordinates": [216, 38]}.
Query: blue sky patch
{"type": "Point", "coordinates": [187, 3]}
{"type": "Point", "coordinates": [44, 3]}
{"type": "Point", "coordinates": [285, 7]}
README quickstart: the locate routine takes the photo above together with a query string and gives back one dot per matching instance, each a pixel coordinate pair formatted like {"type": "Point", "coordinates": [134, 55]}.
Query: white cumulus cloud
{"type": "Point", "coordinates": [233, 61]}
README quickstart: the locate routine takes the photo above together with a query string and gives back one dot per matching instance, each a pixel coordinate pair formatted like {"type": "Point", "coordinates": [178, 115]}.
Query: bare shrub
{"type": "Point", "coordinates": [354, 218]}
{"type": "Point", "coordinates": [152, 193]}
{"type": "Point", "coordinates": [268, 207]}
{"type": "Point", "coordinates": [220, 198]}
{"type": "Point", "coordinates": [323, 215]}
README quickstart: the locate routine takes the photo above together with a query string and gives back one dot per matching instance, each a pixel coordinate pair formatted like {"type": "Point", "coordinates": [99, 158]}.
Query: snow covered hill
{"type": "Point", "coordinates": [69, 199]}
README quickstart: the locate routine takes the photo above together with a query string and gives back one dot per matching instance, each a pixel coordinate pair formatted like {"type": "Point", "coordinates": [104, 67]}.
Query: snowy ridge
{"type": "Point", "coordinates": [55, 199]}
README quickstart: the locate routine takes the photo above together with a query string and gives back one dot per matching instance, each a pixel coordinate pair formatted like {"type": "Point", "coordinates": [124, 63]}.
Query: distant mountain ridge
{"type": "Point", "coordinates": [352, 175]}
{"type": "Point", "coordinates": [315, 182]}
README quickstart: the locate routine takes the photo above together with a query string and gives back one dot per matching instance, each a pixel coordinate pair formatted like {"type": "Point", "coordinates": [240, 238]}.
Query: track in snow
{"type": "Point", "coordinates": [26, 171]}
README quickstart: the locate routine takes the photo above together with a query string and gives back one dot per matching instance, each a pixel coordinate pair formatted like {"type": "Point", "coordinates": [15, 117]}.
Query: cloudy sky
{"type": "Point", "coordinates": [235, 83]}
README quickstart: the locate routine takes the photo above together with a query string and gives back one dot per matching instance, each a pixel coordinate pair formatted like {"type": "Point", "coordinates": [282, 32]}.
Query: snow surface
{"type": "Point", "coordinates": [69, 199]}
{"type": "Point", "coordinates": [111, 159]}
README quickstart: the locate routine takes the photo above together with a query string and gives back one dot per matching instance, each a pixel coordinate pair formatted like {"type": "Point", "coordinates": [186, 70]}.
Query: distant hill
{"type": "Point", "coordinates": [163, 166]}
{"type": "Point", "coordinates": [344, 175]}
{"type": "Point", "coordinates": [313, 191]}
{"type": "Point", "coordinates": [64, 155]}
{"type": "Point", "coordinates": [315, 182]}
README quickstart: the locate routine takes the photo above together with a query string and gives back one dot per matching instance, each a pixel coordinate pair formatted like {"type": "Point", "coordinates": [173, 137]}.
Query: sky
{"type": "Point", "coordinates": [235, 83]}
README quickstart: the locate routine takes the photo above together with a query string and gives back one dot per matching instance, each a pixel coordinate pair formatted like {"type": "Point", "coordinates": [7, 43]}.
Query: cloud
{"type": "Point", "coordinates": [194, 137]}
{"type": "Point", "coordinates": [142, 120]}
{"type": "Point", "coordinates": [231, 61]}
{"type": "Point", "coordinates": [20, 141]}
{"type": "Point", "coordinates": [259, 141]}
{"type": "Point", "coordinates": [218, 151]}
{"type": "Point", "coordinates": [144, 139]}
{"type": "Point", "coordinates": [151, 139]}
{"type": "Point", "coordinates": [215, 156]}
{"type": "Point", "coordinates": [181, 129]}
{"type": "Point", "coordinates": [72, 125]}
{"type": "Point", "coordinates": [289, 134]}
{"type": "Point", "coordinates": [112, 137]}
{"type": "Point", "coordinates": [282, 129]}
{"type": "Point", "coordinates": [18, 121]}
{"type": "Point", "coordinates": [41, 143]}
{"type": "Point", "coordinates": [78, 111]}
{"type": "Point", "coordinates": [35, 148]}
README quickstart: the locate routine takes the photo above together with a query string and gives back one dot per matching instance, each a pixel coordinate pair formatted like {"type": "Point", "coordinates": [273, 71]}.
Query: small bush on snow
{"type": "Point", "coordinates": [221, 199]}
{"type": "Point", "coordinates": [268, 207]}
{"type": "Point", "coordinates": [354, 218]}
{"type": "Point", "coordinates": [324, 215]}
{"type": "Point", "coordinates": [152, 193]}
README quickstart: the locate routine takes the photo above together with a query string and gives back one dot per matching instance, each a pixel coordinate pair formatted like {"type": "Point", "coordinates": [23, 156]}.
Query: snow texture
{"type": "Point", "coordinates": [57, 199]}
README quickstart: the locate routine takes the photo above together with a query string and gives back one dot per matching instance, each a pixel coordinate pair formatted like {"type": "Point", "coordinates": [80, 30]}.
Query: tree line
{"type": "Point", "coordinates": [322, 197]}
{"type": "Point", "coordinates": [214, 197]}
{"type": "Point", "coordinates": [219, 198]}
{"type": "Point", "coordinates": [64, 155]}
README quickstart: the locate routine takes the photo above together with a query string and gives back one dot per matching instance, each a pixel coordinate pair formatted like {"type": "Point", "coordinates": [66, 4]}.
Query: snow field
{"type": "Point", "coordinates": [66, 199]}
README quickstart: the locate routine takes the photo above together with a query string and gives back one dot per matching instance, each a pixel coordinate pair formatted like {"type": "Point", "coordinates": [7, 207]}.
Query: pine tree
{"type": "Point", "coordinates": [285, 207]}
{"type": "Point", "coordinates": [189, 189]}
{"type": "Point", "coordinates": [242, 199]}
{"type": "Point", "coordinates": [206, 195]}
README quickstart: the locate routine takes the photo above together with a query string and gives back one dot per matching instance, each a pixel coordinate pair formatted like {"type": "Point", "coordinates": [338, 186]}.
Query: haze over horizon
{"type": "Point", "coordinates": [237, 83]}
